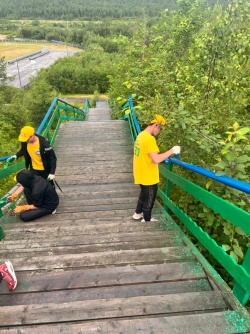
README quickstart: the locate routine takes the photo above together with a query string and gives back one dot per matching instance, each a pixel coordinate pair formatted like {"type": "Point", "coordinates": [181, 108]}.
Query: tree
{"type": "Point", "coordinates": [3, 75]}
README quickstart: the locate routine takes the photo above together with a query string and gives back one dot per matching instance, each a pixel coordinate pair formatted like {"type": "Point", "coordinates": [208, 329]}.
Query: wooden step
{"type": "Point", "coordinates": [92, 268]}
{"type": "Point", "coordinates": [112, 308]}
{"type": "Point", "coordinates": [188, 323]}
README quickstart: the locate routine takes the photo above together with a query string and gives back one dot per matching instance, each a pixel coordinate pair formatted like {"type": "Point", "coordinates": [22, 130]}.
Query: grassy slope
{"type": "Point", "coordinates": [11, 50]}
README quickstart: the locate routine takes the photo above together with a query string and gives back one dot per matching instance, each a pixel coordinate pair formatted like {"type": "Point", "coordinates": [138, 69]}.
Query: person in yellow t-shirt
{"type": "Point", "coordinates": [38, 154]}
{"type": "Point", "coordinates": [145, 167]}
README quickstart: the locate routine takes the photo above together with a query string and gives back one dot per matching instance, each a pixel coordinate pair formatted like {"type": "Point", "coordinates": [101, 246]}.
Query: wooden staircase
{"type": "Point", "coordinates": [91, 268]}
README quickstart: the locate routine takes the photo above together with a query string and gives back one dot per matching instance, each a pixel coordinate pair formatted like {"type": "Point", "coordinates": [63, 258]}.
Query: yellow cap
{"type": "Point", "coordinates": [25, 133]}
{"type": "Point", "coordinates": [158, 119]}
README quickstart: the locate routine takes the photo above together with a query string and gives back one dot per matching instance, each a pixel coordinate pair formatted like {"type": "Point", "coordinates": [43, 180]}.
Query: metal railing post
{"type": "Point", "coordinates": [168, 186]}
{"type": "Point", "coordinates": [238, 291]}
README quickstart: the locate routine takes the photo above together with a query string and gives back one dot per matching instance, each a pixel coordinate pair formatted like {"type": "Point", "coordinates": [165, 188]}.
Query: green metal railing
{"type": "Point", "coordinates": [229, 212]}
{"type": "Point", "coordinates": [59, 111]}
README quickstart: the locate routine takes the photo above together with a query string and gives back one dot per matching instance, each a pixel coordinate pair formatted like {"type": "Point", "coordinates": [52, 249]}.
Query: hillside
{"type": "Point", "coordinates": [85, 9]}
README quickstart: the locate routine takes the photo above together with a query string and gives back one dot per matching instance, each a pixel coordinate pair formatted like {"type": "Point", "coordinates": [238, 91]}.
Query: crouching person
{"type": "Point", "coordinates": [40, 195]}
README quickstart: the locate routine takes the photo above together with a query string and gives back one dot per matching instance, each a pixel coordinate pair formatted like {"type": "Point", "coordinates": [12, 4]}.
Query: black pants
{"type": "Point", "coordinates": [146, 200]}
{"type": "Point", "coordinates": [33, 214]}
{"type": "Point", "coordinates": [29, 215]}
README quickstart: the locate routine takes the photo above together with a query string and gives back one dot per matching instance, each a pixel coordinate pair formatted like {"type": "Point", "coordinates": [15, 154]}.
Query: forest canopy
{"type": "Point", "coordinates": [85, 9]}
{"type": "Point", "coordinates": [81, 9]}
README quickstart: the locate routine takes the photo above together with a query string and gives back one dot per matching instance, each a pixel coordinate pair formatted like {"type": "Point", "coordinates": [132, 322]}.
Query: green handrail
{"type": "Point", "coordinates": [229, 212]}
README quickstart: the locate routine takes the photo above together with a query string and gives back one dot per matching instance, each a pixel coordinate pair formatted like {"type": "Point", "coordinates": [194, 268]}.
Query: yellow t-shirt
{"type": "Point", "coordinates": [34, 152]}
{"type": "Point", "coordinates": [146, 172]}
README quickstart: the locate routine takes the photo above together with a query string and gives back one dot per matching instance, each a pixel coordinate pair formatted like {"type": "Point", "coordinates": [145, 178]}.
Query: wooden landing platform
{"type": "Point", "coordinates": [91, 268]}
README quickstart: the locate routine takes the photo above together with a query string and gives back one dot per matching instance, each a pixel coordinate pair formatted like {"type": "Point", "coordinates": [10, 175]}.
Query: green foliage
{"type": "Point", "coordinates": [20, 108]}
{"type": "Point", "coordinates": [81, 9]}
{"type": "Point", "coordinates": [94, 99]}
{"type": "Point", "coordinates": [192, 67]}
{"type": "Point", "coordinates": [3, 75]}
{"type": "Point", "coordinates": [86, 74]}
{"type": "Point", "coordinates": [12, 117]}
{"type": "Point", "coordinates": [38, 99]}
{"type": "Point", "coordinates": [105, 34]}
{"type": "Point", "coordinates": [235, 161]}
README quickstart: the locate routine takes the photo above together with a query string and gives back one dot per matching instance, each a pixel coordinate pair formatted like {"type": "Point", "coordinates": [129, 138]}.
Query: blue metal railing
{"type": "Point", "coordinates": [228, 181]}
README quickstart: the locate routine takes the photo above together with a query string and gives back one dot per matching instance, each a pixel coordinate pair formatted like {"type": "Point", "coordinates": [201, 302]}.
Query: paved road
{"type": "Point", "coordinates": [28, 68]}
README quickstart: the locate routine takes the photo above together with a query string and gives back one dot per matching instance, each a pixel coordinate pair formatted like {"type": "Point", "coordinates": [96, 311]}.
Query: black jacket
{"type": "Point", "coordinates": [47, 155]}
{"type": "Point", "coordinates": [38, 191]}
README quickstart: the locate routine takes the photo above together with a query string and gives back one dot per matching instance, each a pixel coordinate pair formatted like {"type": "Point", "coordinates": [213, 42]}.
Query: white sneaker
{"type": "Point", "coordinates": [137, 215]}
{"type": "Point", "coordinates": [152, 220]}
{"type": "Point", "coordinates": [53, 212]}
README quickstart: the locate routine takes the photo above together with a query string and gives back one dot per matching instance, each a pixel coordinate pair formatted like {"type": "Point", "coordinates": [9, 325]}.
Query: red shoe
{"type": "Point", "coordinates": [8, 275]}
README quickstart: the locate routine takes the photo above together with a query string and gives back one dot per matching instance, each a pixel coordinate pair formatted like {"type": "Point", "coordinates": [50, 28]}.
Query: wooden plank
{"type": "Point", "coordinates": [98, 207]}
{"type": "Point", "coordinates": [69, 245]}
{"type": "Point", "coordinates": [97, 145]}
{"type": "Point", "coordinates": [86, 135]}
{"type": "Point", "coordinates": [86, 160]}
{"type": "Point", "coordinates": [206, 323]}
{"type": "Point", "coordinates": [94, 156]}
{"type": "Point", "coordinates": [93, 167]}
{"type": "Point", "coordinates": [80, 215]}
{"type": "Point", "coordinates": [42, 241]}
{"type": "Point", "coordinates": [106, 308]}
{"type": "Point", "coordinates": [104, 149]}
{"type": "Point", "coordinates": [101, 188]}
{"type": "Point", "coordinates": [28, 231]}
{"type": "Point", "coordinates": [100, 165]}
{"type": "Point", "coordinates": [95, 177]}
{"type": "Point", "coordinates": [81, 237]}
{"type": "Point", "coordinates": [114, 197]}
{"type": "Point", "coordinates": [68, 202]}
{"type": "Point", "coordinates": [90, 207]}
{"type": "Point", "coordinates": [13, 224]}
{"type": "Point", "coordinates": [94, 145]}
{"type": "Point", "coordinates": [100, 259]}
{"type": "Point", "coordinates": [109, 276]}
{"type": "Point", "coordinates": [121, 291]}
{"type": "Point", "coordinates": [94, 195]}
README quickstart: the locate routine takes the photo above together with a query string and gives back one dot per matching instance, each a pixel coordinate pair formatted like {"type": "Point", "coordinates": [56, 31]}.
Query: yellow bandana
{"type": "Point", "coordinates": [158, 119]}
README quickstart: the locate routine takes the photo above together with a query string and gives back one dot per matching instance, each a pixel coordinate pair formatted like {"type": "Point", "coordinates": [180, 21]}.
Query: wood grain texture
{"type": "Point", "coordinates": [92, 268]}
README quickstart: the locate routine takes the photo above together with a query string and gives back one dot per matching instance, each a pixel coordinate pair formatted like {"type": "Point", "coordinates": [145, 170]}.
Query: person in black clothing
{"type": "Point", "coordinates": [41, 196]}
{"type": "Point", "coordinates": [38, 154]}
